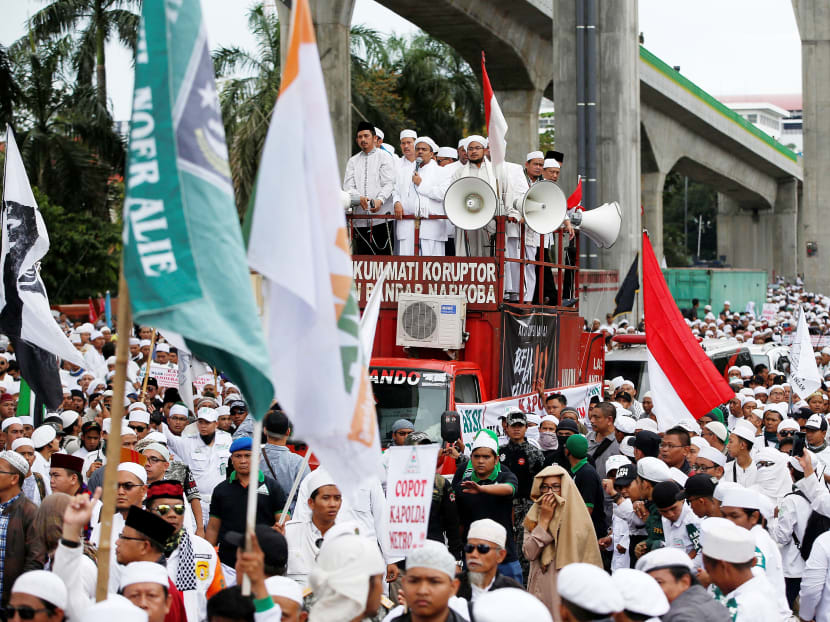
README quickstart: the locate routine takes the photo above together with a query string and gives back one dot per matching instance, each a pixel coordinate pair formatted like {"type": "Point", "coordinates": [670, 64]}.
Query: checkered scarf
{"type": "Point", "coordinates": [186, 569]}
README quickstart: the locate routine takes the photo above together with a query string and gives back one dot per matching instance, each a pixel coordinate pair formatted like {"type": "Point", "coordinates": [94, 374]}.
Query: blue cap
{"type": "Point", "coordinates": [244, 442]}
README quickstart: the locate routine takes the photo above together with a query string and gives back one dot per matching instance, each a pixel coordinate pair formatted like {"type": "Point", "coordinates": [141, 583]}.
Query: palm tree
{"type": "Point", "coordinates": [67, 139]}
{"type": "Point", "coordinates": [97, 21]}
{"type": "Point", "coordinates": [9, 89]}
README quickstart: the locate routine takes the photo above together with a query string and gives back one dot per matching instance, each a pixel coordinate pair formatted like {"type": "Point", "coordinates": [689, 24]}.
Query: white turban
{"type": "Point", "coordinates": [408, 134]}
{"type": "Point", "coordinates": [341, 577]}
{"type": "Point", "coordinates": [427, 141]}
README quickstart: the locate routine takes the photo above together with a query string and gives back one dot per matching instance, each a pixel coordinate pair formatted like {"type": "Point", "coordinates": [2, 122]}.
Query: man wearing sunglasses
{"type": "Point", "coordinates": [484, 551]}
{"type": "Point", "coordinates": [192, 563]}
{"type": "Point", "coordinates": [139, 420]}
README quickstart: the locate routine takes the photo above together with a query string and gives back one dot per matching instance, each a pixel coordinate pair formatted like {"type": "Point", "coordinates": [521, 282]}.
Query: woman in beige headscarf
{"type": "Point", "coordinates": [558, 531]}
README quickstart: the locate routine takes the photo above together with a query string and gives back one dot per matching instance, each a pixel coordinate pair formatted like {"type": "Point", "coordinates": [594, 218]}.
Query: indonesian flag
{"type": "Point", "coordinates": [683, 381]}
{"type": "Point", "coordinates": [496, 124]}
{"type": "Point", "coordinates": [299, 244]}
{"type": "Point", "coordinates": [93, 314]}
{"type": "Point", "coordinates": [575, 200]}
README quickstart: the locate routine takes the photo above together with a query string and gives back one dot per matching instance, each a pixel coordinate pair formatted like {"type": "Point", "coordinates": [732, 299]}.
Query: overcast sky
{"type": "Point", "coordinates": [725, 46]}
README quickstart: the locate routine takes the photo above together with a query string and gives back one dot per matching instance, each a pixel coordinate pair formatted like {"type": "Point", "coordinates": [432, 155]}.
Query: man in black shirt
{"type": "Point", "coordinates": [227, 506]}
{"type": "Point", "coordinates": [483, 489]}
{"type": "Point", "coordinates": [587, 481]}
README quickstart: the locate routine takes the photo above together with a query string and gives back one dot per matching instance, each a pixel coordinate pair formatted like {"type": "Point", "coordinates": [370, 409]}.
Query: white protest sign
{"type": "Point", "coordinates": [203, 380]}
{"type": "Point", "coordinates": [769, 310]}
{"type": "Point", "coordinates": [409, 495]}
{"type": "Point", "coordinates": [804, 376]}
{"type": "Point", "coordinates": [165, 376]}
{"type": "Point", "coordinates": [474, 417]}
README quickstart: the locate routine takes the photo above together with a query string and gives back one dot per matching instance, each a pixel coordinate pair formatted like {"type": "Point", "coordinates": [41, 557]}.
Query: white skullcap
{"type": "Point", "coordinates": [207, 414]}
{"type": "Point", "coordinates": [75, 338]}
{"type": "Point", "coordinates": [640, 592]}
{"type": "Point", "coordinates": [647, 394]}
{"type": "Point", "coordinates": [136, 406]}
{"type": "Point", "coordinates": [139, 416]}
{"type": "Point", "coordinates": [484, 438]}
{"type": "Point", "coordinates": [16, 461]}
{"type": "Point", "coordinates": [135, 469]}
{"type": "Point", "coordinates": [22, 442]}
{"type": "Point", "coordinates": [779, 407]}
{"type": "Point", "coordinates": [745, 430]}
{"type": "Point", "coordinates": [105, 425]}
{"type": "Point", "coordinates": [110, 360]}
{"type": "Point", "coordinates": [461, 144]}
{"type": "Point", "coordinates": [653, 469]}
{"type": "Point", "coordinates": [665, 557]}
{"type": "Point", "coordinates": [535, 155]}
{"type": "Point", "coordinates": [86, 328]}
{"type": "Point", "coordinates": [748, 392]}
{"type": "Point", "coordinates": [115, 607]}
{"type": "Point", "coordinates": [788, 424]}
{"type": "Point", "coordinates": [624, 424]}
{"type": "Point", "coordinates": [408, 134]}
{"type": "Point", "coordinates": [434, 555]}
{"type": "Point", "coordinates": [159, 448]}
{"type": "Point", "coordinates": [68, 418]}
{"type": "Point", "coordinates": [678, 476]}
{"type": "Point", "coordinates": [589, 587]}
{"type": "Point", "coordinates": [318, 478]}
{"type": "Point", "coordinates": [284, 587]}
{"type": "Point", "coordinates": [549, 418]}
{"type": "Point", "coordinates": [488, 529]}
{"type": "Point", "coordinates": [718, 429]}
{"type": "Point", "coordinates": [127, 430]}
{"type": "Point", "coordinates": [134, 341]}
{"type": "Point", "coordinates": [162, 347]}
{"type": "Point", "coordinates": [43, 435]}
{"type": "Point", "coordinates": [447, 152]}
{"type": "Point", "coordinates": [690, 425]}
{"type": "Point", "coordinates": [427, 141]}
{"type": "Point", "coordinates": [712, 455]}
{"type": "Point", "coordinates": [156, 437]}
{"type": "Point", "coordinates": [759, 390]}
{"type": "Point", "coordinates": [723, 540]}
{"type": "Point", "coordinates": [26, 420]}
{"type": "Point", "coordinates": [510, 603]}
{"type": "Point", "coordinates": [44, 585]}
{"type": "Point", "coordinates": [178, 409]}
{"type": "Point", "coordinates": [379, 133]}
{"type": "Point", "coordinates": [615, 462]}
{"type": "Point", "coordinates": [145, 343]}
{"type": "Point", "coordinates": [627, 447]}
{"type": "Point", "coordinates": [551, 163]}
{"type": "Point", "coordinates": [721, 489]}
{"type": "Point", "coordinates": [646, 424]}
{"type": "Point", "coordinates": [475, 138]}
{"type": "Point", "coordinates": [143, 572]}
{"type": "Point", "coordinates": [9, 422]}
{"type": "Point", "coordinates": [699, 442]}
{"type": "Point", "coordinates": [746, 371]}
{"type": "Point", "coordinates": [740, 497]}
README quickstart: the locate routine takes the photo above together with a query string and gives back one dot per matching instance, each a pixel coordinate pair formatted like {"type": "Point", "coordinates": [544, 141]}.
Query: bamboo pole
{"type": "Point", "coordinates": [253, 486]}
{"type": "Point", "coordinates": [148, 364]}
{"type": "Point", "coordinates": [110, 491]}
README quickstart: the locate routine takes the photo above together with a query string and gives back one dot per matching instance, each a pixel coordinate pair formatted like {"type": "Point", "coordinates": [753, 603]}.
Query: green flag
{"type": "Point", "coordinates": [183, 254]}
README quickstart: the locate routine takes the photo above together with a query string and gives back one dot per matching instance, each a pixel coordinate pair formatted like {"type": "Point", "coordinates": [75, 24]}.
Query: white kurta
{"type": "Point", "coordinates": [206, 565]}
{"type": "Point", "coordinates": [370, 175]}
{"type": "Point", "coordinates": [815, 583]}
{"type": "Point", "coordinates": [426, 199]}
{"type": "Point", "coordinates": [755, 601]}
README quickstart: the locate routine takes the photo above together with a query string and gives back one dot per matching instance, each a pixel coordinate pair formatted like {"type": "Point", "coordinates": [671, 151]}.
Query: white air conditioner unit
{"type": "Point", "coordinates": [431, 321]}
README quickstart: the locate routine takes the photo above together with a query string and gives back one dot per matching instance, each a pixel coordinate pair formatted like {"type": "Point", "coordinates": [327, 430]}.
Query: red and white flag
{"type": "Point", "coordinates": [575, 200]}
{"type": "Point", "coordinates": [683, 381]}
{"type": "Point", "coordinates": [496, 124]}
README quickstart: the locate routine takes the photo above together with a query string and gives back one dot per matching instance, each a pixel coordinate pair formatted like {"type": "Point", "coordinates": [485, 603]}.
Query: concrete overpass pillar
{"type": "Point", "coordinates": [332, 21]}
{"type": "Point", "coordinates": [785, 243]}
{"type": "Point", "coordinates": [746, 237]}
{"type": "Point", "coordinates": [813, 19]}
{"type": "Point", "coordinates": [521, 111]}
{"type": "Point", "coordinates": [618, 110]}
{"type": "Point", "coordinates": [652, 200]}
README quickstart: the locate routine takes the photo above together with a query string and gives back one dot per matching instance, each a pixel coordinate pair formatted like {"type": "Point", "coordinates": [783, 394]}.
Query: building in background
{"type": "Point", "coordinates": [777, 115]}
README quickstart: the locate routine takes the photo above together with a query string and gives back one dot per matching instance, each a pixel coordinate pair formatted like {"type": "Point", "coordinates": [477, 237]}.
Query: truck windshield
{"type": "Point", "coordinates": [418, 395]}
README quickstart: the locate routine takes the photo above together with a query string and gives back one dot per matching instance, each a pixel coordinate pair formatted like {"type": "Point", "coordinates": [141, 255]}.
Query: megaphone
{"type": "Point", "coordinates": [470, 203]}
{"type": "Point", "coordinates": [347, 202]}
{"type": "Point", "coordinates": [543, 206]}
{"type": "Point", "coordinates": [602, 224]}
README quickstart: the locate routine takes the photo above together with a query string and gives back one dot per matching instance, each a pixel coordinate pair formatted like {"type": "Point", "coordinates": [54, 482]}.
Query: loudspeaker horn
{"type": "Point", "coordinates": [602, 224]}
{"type": "Point", "coordinates": [544, 207]}
{"type": "Point", "coordinates": [470, 203]}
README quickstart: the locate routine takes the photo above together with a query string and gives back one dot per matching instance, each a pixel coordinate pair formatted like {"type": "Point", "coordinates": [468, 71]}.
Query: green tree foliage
{"type": "Point", "coordinates": [702, 201]}
{"type": "Point", "coordinates": [95, 22]}
{"type": "Point", "coordinates": [9, 89]}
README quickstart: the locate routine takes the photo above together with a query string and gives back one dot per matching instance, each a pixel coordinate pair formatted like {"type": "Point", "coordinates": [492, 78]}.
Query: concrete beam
{"type": "Point", "coordinates": [746, 237]}
{"type": "Point", "coordinates": [813, 19]}
{"type": "Point", "coordinates": [332, 21]}
{"type": "Point", "coordinates": [651, 187]}
{"type": "Point", "coordinates": [521, 111]}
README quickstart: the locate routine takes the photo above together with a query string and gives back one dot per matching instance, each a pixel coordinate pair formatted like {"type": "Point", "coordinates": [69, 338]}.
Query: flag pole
{"type": "Point", "coordinates": [114, 438]}
{"type": "Point", "coordinates": [149, 360]}
{"type": "Point", "coordinates": [253, 486]}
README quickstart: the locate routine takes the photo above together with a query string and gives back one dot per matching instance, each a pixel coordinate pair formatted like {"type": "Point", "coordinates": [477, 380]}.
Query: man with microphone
{"type": "Point", "coordinates": [422, 194]}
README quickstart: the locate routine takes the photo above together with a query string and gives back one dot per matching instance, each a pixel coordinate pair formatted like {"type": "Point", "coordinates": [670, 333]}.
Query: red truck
{"type": "Point", "coordinates": [490, 349]}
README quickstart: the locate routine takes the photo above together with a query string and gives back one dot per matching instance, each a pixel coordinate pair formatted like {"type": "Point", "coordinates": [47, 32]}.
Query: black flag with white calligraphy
{"type": "Point", "coordinates": [25, 317]}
